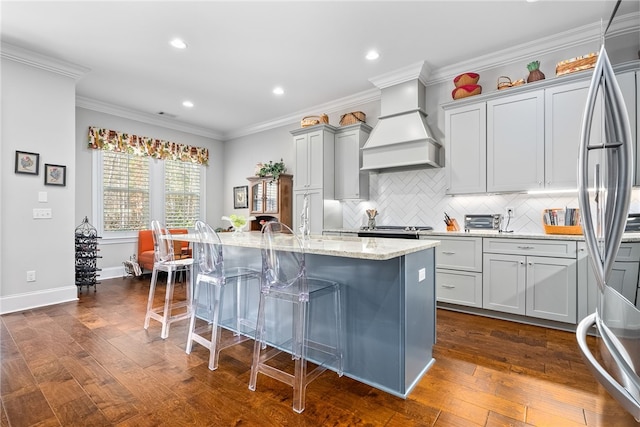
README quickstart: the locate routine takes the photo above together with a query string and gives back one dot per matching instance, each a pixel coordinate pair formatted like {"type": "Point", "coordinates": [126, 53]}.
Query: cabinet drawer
{"type": "Point", "coordinates": [459, 253]}
{"type": "Point", "coordinates": [628, 252]}
{"type": "Point", "coordinates": [555, 248]}
{"type": "Point", "coordinates": [459, 287]}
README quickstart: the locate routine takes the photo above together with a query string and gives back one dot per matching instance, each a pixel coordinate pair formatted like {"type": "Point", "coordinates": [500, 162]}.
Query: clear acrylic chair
{"type": "Point", "coordinates": [165, 261]}
{"type": "Point", "coordinates": [284, 282]}
{"type": "Point", "coordinates": [215, 277]}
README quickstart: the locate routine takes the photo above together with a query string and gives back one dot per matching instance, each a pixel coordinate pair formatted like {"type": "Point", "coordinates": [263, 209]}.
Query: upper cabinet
{"type": "Point", "coordinates": [466, 142]}
{"type": "Point", "coordinates": [515, 142]}
{"type": "Point", "coordinates": [314, 175]}
{"type": "Point", "coordinates": [314, 153]}
{"type": "Point", "coordinates": [350, 181]}
{"type": "Point", "coordinates": [527, 138]}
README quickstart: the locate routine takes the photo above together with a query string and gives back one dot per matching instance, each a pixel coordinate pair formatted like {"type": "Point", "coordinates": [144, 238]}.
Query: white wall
{"type": "Point", "coordinates": [37, 116]}
{"type": "Point", "coordinates": [114, 251]}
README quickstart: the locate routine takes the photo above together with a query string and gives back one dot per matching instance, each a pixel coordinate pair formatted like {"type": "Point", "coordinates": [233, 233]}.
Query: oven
{"type": "Point", "coordinates": [394, 231]}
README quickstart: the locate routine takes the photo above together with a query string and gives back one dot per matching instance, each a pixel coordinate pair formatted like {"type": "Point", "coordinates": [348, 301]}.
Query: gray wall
{"type": "Point", "coordinates": [114, 251]}
{"type": "Point", "coordinates": [37, 116]}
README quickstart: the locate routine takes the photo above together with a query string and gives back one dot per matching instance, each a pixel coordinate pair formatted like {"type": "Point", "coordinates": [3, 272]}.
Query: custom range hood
{"type": "Point", "coordinates": [401, 139]}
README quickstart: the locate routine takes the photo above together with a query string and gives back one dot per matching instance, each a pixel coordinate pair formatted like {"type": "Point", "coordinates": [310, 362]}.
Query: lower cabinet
{"type": "Point", "coordinates": [459, 271]}
{"type": "Point", "coordinates": [623, 278]}
{"type": "Point", "coordinates": [531, 285]}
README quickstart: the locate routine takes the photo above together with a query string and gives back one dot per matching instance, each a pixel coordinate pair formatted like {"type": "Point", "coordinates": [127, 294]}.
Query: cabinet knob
{"type": "Point", "coordinates": [530, 263]}
{"type": "Point", "coordinates": [540, 183]}
{"type": "Point", "coordinates": [521, 262]}
{"type": "Point", "coordinates": [448, 286]}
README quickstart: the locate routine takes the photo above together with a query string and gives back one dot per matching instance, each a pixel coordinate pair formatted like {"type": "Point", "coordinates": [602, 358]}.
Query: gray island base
{"type": "Point", "coordinates": [388, 302]}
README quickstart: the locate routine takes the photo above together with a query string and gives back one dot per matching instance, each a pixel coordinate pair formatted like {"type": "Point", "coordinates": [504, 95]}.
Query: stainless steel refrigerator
{"type": "Point", "coordinates": [605, 171]}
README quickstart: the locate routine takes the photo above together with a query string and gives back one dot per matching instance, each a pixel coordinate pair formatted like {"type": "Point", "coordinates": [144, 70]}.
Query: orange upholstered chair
{"type": "Point", "coordinates": [146, 249]}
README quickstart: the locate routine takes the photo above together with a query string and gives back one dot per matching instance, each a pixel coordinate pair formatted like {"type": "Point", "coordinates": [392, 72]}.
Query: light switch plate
{"type": "Point", "coordinates": [42, 196]}
{"type": "Point", "coordinates": [42, 213]}
{"type": "Point", "coordinates": [422, 274]}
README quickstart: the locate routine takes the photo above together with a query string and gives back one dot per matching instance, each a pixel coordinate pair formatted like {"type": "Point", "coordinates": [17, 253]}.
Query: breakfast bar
{"type": "Point", "coordinates": [388, 300]}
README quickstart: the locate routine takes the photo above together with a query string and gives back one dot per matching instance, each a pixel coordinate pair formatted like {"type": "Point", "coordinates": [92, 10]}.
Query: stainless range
{"type": "Point", "coordinates": [394, 231]}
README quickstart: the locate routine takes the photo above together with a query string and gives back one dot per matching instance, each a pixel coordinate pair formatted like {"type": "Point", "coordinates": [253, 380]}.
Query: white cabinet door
{"type": "Point", "coordinates": [316, 210]}
{"type": "Point", "coordinates": [301, 174]}
{"type": "Point", "coordinates": [350, 181]}
{"type": "Point", "coordinates": [459, 253]}
{"type": "Point", "coordinates": [551, 288]}
{"type": "Point", "coordinates": [515, 142]}
{"type": "Point", "coordinates": [314, 154]}
{"type": "Point", "coordinates": [316, 160]}
{"type": "Point", "coordinates": [503, 283]}
{"type": "Point", "coordinates": [466, 149]}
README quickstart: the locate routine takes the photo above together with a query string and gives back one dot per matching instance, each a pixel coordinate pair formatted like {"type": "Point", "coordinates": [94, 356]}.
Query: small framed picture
{"type": "Point", "coordinates": [28, 163]}
{"type": "Point", "coordinates": [240, 197]}
{"type": "Point", "coordinates": [55, 175]}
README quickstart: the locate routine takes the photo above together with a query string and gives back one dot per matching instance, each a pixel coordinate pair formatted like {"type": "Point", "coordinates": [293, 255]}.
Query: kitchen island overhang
{"type": "Point", "coordinates": [388, 301]}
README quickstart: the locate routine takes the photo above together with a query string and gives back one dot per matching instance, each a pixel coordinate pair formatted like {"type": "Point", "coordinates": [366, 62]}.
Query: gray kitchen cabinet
{"type": "Point", "coordinates": [564, 108]}
{"type": "Point", "coordinates": [459, 271]}
{"type": "Point", "coordinates": [314, 149]}
{"type": "Point", "coordinates": [466, 149]}
{"type": "Point", "coordinates": [515, 142]}
{"type": "Point", "coordinates": [624, 277]}
{"type": "Point", "coordinates": [350, 181]}
{"type": "Point", "coordinates": [535, 278]}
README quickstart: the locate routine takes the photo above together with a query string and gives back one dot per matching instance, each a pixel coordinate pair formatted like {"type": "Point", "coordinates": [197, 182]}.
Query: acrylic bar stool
{"type": "Point", "coordinates": [165, 261]}
{"type": "Point", "coordinates": [284, 279]}
{"type": "Point", "coordinates": [213, 275]}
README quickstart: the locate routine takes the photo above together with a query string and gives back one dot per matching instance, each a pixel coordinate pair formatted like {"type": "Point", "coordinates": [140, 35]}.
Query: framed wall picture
{"type": "Point", "coordinates": [55, 175]}
{"type": "Point", "coordinates": [28, 163]}
{"type": "Point", "coordinates": [240, 197]}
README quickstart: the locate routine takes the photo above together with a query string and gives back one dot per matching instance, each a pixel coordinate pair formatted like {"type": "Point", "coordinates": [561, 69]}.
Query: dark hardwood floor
{"type": "Point", "coordinates": [91, 363]}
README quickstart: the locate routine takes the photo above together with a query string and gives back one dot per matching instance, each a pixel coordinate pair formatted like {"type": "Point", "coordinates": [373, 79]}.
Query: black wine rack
{"type": "Point", "coordinates": [86, 255]}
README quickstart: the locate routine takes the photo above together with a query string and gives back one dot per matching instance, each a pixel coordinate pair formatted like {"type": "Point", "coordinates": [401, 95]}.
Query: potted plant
{"type": "Point", "coordinates": [271, 169]}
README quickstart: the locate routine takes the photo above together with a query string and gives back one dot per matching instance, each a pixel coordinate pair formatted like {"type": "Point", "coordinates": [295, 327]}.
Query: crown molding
{"type": "Point", "coordinates": [419, 70]}
{"type": "Point", "coordinates": [116, 110]}
{"type": "Point", "coordinates": [623, 25]}
{"type": "Point", "coordinates": [37, 60]}
{"type": "Point", "coordinates": [342, 104]}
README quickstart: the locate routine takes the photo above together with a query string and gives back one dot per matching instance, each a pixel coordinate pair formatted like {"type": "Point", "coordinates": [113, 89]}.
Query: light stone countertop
{"type": "Point", "coordinates": [626, 238]}
{"type": "Point", "coordinates": [343, 246]}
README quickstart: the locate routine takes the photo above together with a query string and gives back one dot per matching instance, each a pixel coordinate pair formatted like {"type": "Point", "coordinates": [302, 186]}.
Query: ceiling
{"type": "Point", "coordinates": [238, 51]}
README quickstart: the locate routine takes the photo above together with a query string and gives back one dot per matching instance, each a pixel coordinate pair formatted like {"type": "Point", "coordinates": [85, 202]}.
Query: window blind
{"type": "Point", "coordinates": [182, 193]}
{"type": "Point", "coordinates": [125, 192]}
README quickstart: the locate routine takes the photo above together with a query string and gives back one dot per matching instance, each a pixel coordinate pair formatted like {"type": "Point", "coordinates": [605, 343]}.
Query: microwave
{"type": "Point", "coordinates": [482, 222]}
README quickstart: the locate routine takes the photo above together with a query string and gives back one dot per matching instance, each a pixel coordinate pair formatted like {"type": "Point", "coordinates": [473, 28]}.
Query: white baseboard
{"type": "Point", "coordinates": [29, 300]}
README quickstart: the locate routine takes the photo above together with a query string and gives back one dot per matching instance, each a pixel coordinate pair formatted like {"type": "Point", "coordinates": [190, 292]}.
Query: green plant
{"type": "Point", "coordinates": [272, 169]}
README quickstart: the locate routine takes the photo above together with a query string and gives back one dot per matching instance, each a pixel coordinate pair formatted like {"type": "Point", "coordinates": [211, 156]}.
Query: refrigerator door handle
{"type": "Point", "coordinates": [602, 376]}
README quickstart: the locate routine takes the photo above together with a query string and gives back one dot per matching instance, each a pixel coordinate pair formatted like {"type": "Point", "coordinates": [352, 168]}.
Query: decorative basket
{"type": "Point", "coordinates": [352, 118]}
{"type": "Point", "coordinates": [465, 91]}
{"type": "Point", "coordinates": [579, 63]}
{"type": "Point", "coordinates": [518, 82]}
{"type": "Point", "coordinates": [314, 120]}
{"type": "Point", "coordinates": [504, 82]}
{"type": "Point", "coordinates": [465, 79]}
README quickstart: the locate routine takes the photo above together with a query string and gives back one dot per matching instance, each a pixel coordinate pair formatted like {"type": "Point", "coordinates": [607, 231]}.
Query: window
{"type": "Point", "coordinates": [125, 192]}
{"type": "Point", "coordinates": [132, 190]}
{"type": "Point", "coordinates": [182, 193]}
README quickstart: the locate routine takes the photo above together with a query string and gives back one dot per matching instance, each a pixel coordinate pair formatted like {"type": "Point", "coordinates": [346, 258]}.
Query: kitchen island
{"type": "Point", "coordinates": [387, 297]}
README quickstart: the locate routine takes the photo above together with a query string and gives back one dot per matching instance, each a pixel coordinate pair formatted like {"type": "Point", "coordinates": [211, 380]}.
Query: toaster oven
{"type": "Point", "coordinates": [482, 222]}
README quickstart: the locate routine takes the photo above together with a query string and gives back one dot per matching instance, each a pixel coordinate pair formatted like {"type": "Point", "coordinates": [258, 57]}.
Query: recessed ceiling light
{"type": "Point", "coordinates": [372, 54]}
{"type": "Point", "coordinates": [278, 90]}
{"type": "Point", "coordinates": [187, 104]}
{"type": "Point", "coordinates": [178, 44]}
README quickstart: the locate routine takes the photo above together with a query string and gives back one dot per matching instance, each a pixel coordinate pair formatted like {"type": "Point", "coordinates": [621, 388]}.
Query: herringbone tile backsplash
{"type": "Point", "coordinates": [418, 198]}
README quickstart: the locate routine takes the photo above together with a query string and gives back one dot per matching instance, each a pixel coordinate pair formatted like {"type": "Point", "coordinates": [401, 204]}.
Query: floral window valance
{"type": "Point", "coordinates": [111, 140]}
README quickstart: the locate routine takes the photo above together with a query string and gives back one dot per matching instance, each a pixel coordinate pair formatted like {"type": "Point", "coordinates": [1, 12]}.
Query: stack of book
{"type": "Point", "coordinates": [562, 221]}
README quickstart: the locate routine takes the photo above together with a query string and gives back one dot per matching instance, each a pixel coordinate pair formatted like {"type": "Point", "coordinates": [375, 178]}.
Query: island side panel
{"type": "Point", "coordinates": [381, 348]}
{"type": "Point", "coordinates": [420, 315]}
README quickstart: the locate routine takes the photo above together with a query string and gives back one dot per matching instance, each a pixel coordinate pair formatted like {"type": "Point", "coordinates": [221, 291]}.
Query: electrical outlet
{"type": "Point", "coordinates": [31, 276]}
{"type": "Point", "coordinates": [510, 212]}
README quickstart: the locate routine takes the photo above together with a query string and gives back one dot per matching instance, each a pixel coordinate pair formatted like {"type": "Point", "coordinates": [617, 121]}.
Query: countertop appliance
{"type": "Point", "coordinates": [394, 231]}
{"type": "Point", "coordinates": [482, 222]}
{"type": "Point", "coordinates": [616, 318]}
